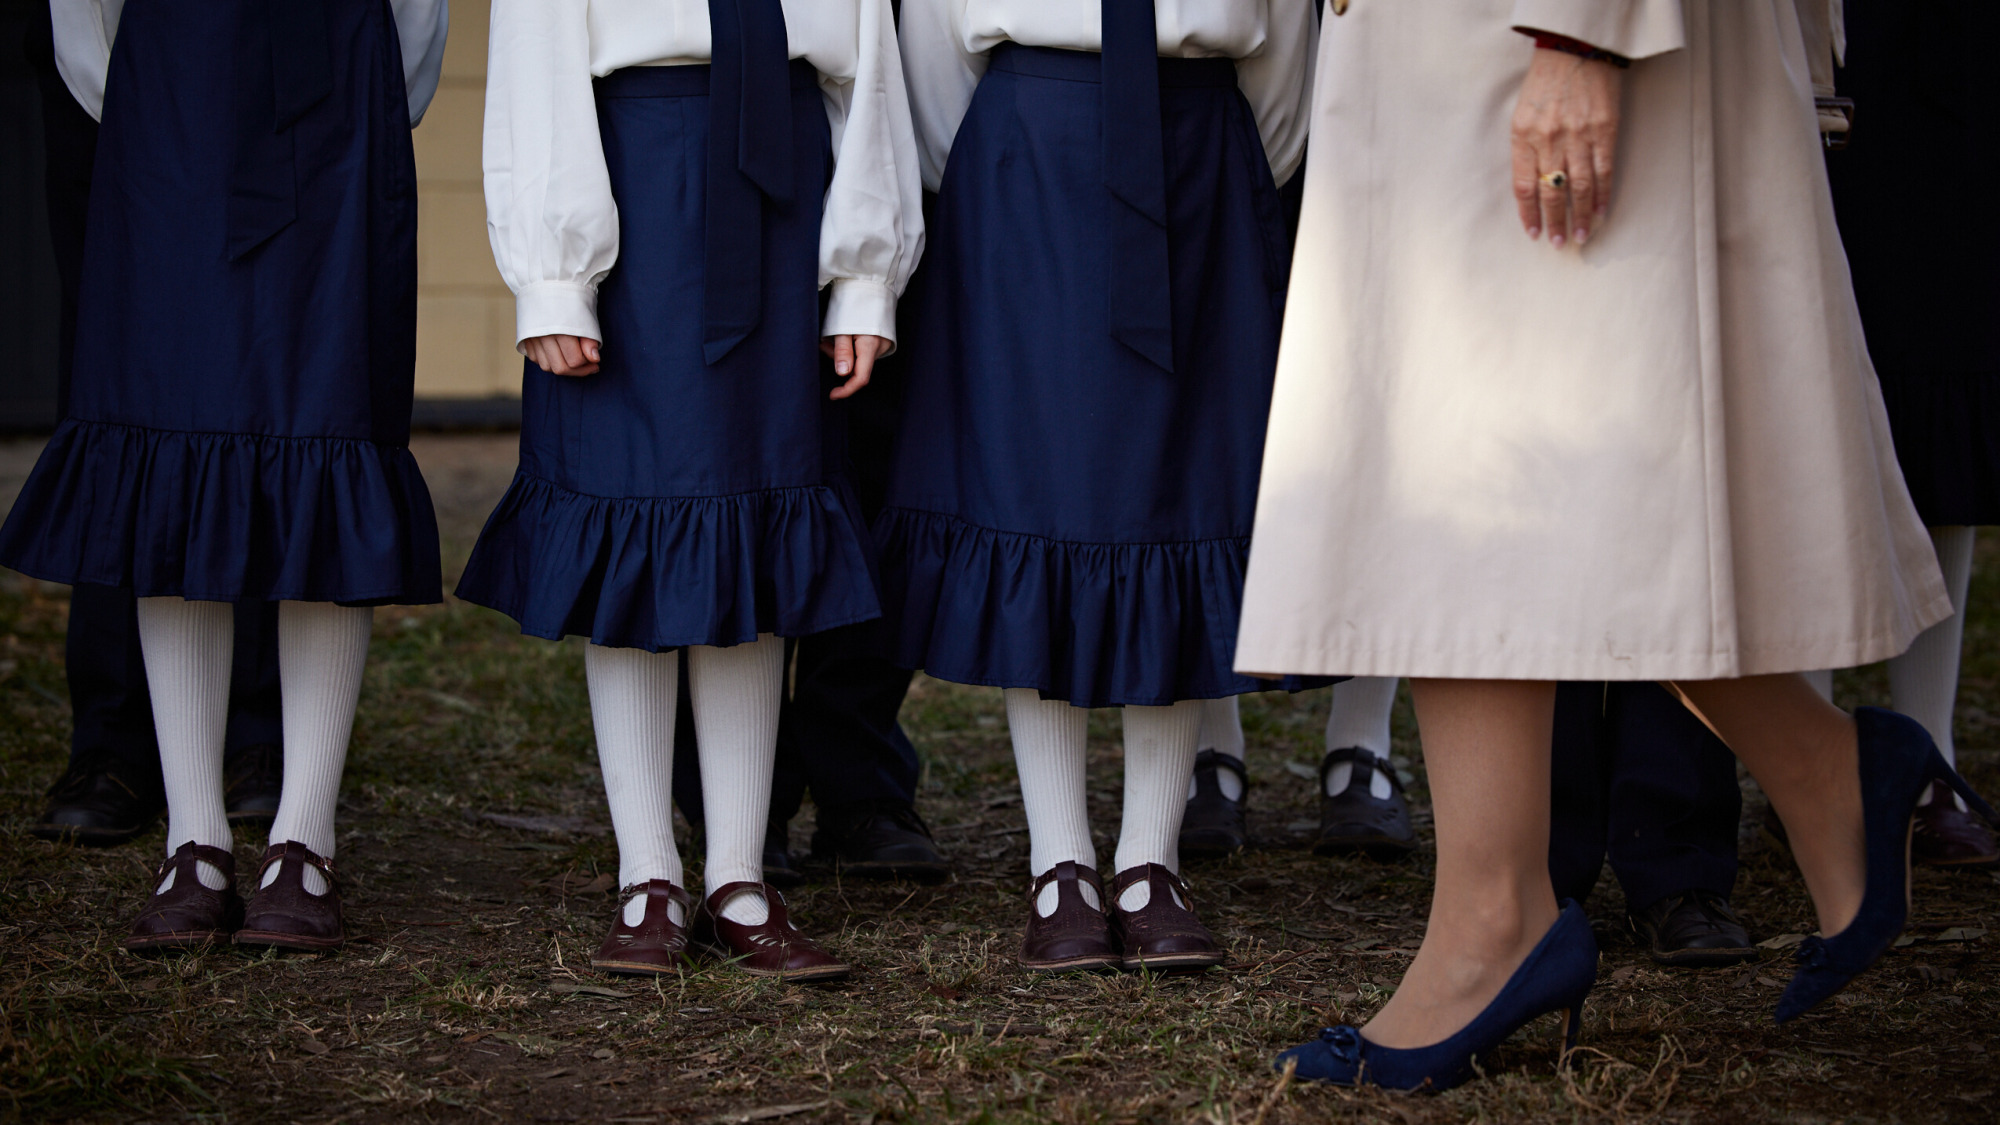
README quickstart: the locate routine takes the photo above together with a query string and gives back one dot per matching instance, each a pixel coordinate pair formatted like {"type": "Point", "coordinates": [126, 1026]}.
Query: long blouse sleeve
{"type": "Point", "coordinates": [85, 30]}
{"type": "Point", "coordinates": [549, 211]}
{"type": "Point", "coordinates": [945, 45]}
{"type": "Point", "coordinates": [1635, 29]}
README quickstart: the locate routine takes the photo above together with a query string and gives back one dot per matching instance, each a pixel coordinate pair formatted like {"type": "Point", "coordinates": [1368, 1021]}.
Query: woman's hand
{"type": "Point", "coordinates": [562, 354]}
{"type": "Point", "coordinates": [1565, 142]}
{"type": "Point", "coordinates": [854, 360]}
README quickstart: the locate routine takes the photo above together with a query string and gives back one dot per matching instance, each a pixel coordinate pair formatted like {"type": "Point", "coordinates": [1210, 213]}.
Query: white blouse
{"type": "Point", "coordinates": [85, 29]}
{"type": "Point", "coordinates": [1274, 41]}
{"type": "Point", "coordinates": [549, 209]}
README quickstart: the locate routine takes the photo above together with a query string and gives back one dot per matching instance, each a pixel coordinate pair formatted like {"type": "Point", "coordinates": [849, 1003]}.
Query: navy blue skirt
{"type": "Point", "coordinates": [1065, 515]}
{"type": "Point", "coordinates": [239, 429]}
{"type": "Point", "coordinates": [663, 502]}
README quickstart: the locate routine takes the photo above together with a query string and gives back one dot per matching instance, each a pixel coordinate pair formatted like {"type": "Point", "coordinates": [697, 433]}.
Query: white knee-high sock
{"type": "Point", "coordinates": [633, 697]}
{"type": "Point", "coordinates": [1048, 754]}
{"type": "Point", "coordinates": [1923, 682]}
{"type": "Point", "coordinates": [1360, 717]}
{"type": "Point", "coordinates": [187, 647]}
{"type": "Point", "coordinates": [322, 649]}
{"type": "Point", "coordinates": [1222, 732]}
{"type": "Point", "coordinates": [1159, 761]}
{"type": "Point", "coordinates": [736, 692]}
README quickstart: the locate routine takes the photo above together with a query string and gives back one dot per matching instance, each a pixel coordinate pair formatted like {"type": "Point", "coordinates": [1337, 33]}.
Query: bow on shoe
{"type": "Point", "coordinates": [1343, 1043]}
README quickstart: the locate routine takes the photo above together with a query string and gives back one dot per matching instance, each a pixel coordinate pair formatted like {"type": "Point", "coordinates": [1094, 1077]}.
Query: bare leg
{"type": "Point", "coordinates": [1486, 748]}
{"type": "Point", "coordinates": [1802, 751]}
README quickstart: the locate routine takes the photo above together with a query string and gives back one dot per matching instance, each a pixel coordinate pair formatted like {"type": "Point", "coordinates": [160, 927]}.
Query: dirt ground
{"type": "Point", "coordinates": [480, 868]}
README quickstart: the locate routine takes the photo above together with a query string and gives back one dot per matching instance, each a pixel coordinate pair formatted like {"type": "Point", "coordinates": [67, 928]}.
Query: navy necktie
{"type": "Point", "coordinates": [286, 68]}
{"type": "Point", "coordinates": [749, 160]}
{"type": "Point", "coordinates": [1140, 301]}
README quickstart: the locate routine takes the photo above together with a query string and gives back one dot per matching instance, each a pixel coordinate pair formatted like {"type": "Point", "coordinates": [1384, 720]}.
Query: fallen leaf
{"type": "Point", "coordinates": [1623, 975]}
{"type": "Point", "coordinates": [475, 1037]}
{"type": "Point", "coordinates": [454, 702]}
{"type": "Point", "coordinates": [550, 825]}
{"type": "Point", "coordinates": [313, 1046]}
{"type": "Point", "coordinates": [603, 1053]}
{"type": "Point", "coordinates": [1905, 941]}
{"type": "Point", "coordinates": [770, 1112]}
{"type": "Point", "coordinates": [950, 928]}
{"type": "Point", "coordinates": [942, 991]}
{"type": "Point", "coordinates": [1770, 982]}
{"type": "Point", "coordinates": [580, 988]}
{"type": "Point", "coordinates": [1961, 933]}
{"type": "Point", "coordinates": [1300, 769]}
{"type": "Point", "coordinates": [1782, 941]}
{"type": "Point", "coordinates": [556, 1073]}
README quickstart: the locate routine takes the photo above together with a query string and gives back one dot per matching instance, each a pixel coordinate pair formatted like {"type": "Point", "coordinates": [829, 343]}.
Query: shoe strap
{"type": "Point", "coordinates": [774, 903]}
{"type": "Point", "coordinates": [190, 853]}
{"type": "Point", "coordinates": [657, 888]}
{"type": "Point", "coordinates": [1160, 878]}
{"type": "Point", "coordinates": [1216, 759]}
{"type": "Point", "coordinates": [1068, 871]}
{"type": "Point", "coordinates": [1364, 762]}
{"type": "Point", "coordinates": [305, 856]}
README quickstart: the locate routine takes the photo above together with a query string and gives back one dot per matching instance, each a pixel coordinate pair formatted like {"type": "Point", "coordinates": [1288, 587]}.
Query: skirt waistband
{"type": "Point", "coordinates": [687, 81]}
{"type": "Point", "coordinates": [1087, 66]}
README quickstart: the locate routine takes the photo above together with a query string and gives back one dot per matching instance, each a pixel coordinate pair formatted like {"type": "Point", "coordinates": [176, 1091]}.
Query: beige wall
{"type": "Point", "coordinates": [465, 316]}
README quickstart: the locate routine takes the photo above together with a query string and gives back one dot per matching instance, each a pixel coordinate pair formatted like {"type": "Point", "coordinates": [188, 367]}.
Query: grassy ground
{"type": "Point", "coordinates": [466, 992]}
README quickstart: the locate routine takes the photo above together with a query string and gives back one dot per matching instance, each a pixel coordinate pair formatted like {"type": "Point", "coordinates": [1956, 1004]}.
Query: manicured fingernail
{"type": "Point", "coordinates": [1534, 234]}
{"type": "Point", "coordinates": [1582, 236]}
{"type": "Point", "coordinates": [1556, 240]}
{"type": "Point", "coordinates": [841, 367]}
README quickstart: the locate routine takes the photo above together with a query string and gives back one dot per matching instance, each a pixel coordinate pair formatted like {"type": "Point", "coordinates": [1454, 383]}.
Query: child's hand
{"type": "Point", "coordinates": [562, 354]}
{"type": "Point", "coordinates": [854, 360]}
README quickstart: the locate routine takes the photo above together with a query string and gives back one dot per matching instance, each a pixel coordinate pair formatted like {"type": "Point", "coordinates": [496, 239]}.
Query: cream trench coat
{"type": "Point", "coordinates": [1663, 456]}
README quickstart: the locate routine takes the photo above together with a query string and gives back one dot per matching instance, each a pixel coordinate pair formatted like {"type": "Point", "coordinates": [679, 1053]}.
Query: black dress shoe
{"type": "Point", "coordinates": [781, 868]}
{"type": "Point", "coordinates": [1213, 825]}
{"type": "Point", "coordinates": [1355, 819]}
{"type": "Point", "coordinates": [253, 781]}
{"type": "Point", "coordinates": [879, 840]}
{"type": "Point", "coordinates": [95, 805]}
{"type": "Point", "coordinates": [1692, 929]}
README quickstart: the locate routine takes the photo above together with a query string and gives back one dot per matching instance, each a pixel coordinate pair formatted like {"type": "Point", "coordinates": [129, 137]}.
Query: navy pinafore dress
{"type": "Point", "coordinates": [666, 501]}
{"type": "Point", "coordinates": [1066, 514]}
{"type": "Point", "coordinates": [246, 330]}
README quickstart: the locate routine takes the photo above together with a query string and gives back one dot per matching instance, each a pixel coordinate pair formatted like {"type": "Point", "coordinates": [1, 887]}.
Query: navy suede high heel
{"type": "Point", "coordinates": [1898, 762]}
{"type": "Point", "coordinates": [1556, 977]}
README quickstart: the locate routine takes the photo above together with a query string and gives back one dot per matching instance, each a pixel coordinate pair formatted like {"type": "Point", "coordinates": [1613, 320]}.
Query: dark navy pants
{"type": "Point", "coordinates": [838, 737]}
{"type": "Point", "coordinates": [1640, 780]}
{"type": "Point", "coordinates": [112, 714]}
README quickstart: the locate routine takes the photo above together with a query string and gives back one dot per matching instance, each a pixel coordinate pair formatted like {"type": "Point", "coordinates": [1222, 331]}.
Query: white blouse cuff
{"type": "Point", "coordinates": [545, 308]}
{"type": "Point", "coordinates": [861, 308]}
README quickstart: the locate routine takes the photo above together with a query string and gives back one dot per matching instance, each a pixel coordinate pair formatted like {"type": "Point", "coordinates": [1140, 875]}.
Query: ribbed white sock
{"type": "Point", "coordinates": [1923, 682]}
{"type": "Point", "coordinates": [736, 692]}
{"type": "Point", "coordinates": [1048, 754]}
{"type": "Point", "coordinates": [187, 648]}
{"type": "Point", "coordinates": [1360, 717]}
{"type": "Point", "coordinates": [322, 649]}
{"type": "Point", "coordinates": [633, 697]}
{"type": "Point", "coordinates": [1159, 761]}
{"type": "Point", "coordinates": [1222, 732]}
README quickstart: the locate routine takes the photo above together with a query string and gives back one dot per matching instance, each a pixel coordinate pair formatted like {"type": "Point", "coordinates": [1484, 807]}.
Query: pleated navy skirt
{"type": "Point", "coordinates": [239, 429]}
{"type": "Point", "coordinates": [663, 502]}
{"type": "Point", "coordinates": [1065, 515]}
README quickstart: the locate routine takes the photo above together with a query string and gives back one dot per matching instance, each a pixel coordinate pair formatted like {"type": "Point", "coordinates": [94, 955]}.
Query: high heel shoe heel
{"type": "Point", "coordinates": [1556, 977]}
{"type": "Point", "coordinates": [1898, 762]}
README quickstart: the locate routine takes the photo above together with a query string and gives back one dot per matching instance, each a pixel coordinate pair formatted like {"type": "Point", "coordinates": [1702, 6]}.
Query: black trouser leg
{"type": "Point", "coordinates": [1579, 812]}
{"type": "Point", "coordinates": [256, 713]}
{"type": "Point", "coordinates": [1674, 799]}
{"type": "Point", "coordinates": [111, 712]}
{"type": "Point", "coordinates": [839, 735]}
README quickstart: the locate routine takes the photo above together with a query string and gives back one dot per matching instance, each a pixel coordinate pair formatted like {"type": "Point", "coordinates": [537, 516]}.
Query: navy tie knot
{"type": "Point", "coordinates": [749, 162]}
{"type": "Point", "coordinates": [1140, 300]}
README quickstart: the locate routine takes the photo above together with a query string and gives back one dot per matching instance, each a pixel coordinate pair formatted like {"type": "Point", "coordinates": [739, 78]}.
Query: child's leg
{"type": "Point", "coordinates": [187, 648]}
{"type": "Point", "coordinates": [1048, 754]}
{"type": "Point", "coordinates": [1360, 717]}
{"type": "Point", "coordinates": [1222, 732]}
{"type": "Point", "coordinates": [322, 649]}
{"type": "Point", "coordinates": [1159, 761]}
{"type": "Point", "coordinates": [633, 696]}
{"type": "Point", "coordinates": [1923, 682]}
{"type": "Point", "coordinates": [736, 692]}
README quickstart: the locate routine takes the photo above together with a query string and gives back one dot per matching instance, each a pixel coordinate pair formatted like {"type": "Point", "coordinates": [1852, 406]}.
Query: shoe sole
{"type": "Point", "coordinates": [728, 960]}
{"type": "Point", "coordinates": [1178, 962]}
{"type": "Point", "coordinates": [185, 941]}
{"type": "Point", "coordinates": [1960, 864]}
{"type": "Point", "coordinates": [1703, 958]}
{"type": "Point", "coordinates": [633, 968]}
{"type": "Point", "coordinates": [274, 940]}
{"type": "Point", "coordinates": [1073, 964]}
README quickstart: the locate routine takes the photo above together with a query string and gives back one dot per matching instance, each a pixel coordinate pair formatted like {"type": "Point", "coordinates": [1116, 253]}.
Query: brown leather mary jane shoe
{"type": "Point", "coordinates": [657, 945]}
{"type": "Point", "coordinates": [188, 915]}
{"type": "Point", "coordinates": [773, 948]}
{"type": "Point", "coordinates": [1163, 934]}
{"type": "Point", "coordinates": [1944, 835]}
{"type": "Point", "coordinates": [1077, 936]}
{"type": "Point", "coordinates": [285, 915]}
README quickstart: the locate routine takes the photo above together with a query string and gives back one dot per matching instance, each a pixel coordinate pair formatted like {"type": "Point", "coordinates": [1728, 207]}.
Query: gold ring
{"type": "Point", "coordinates": [1555, 179]}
